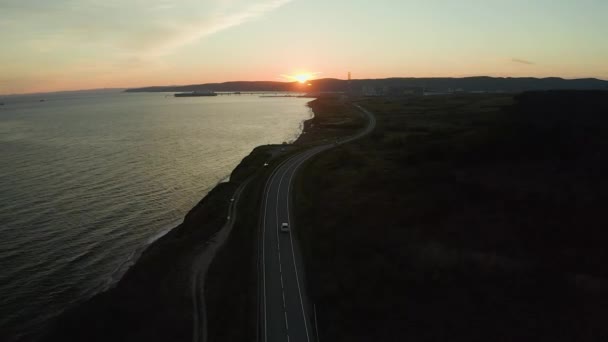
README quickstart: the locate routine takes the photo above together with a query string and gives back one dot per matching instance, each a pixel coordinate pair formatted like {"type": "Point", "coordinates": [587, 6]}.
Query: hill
{"type": "Point", "coordinates": [467, 84]}
{"type": "Point", "coordinates": [466, 217]}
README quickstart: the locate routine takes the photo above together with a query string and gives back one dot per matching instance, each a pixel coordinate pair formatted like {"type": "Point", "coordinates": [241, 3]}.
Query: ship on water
{"type": "Point", "coordinates": [196, 93]}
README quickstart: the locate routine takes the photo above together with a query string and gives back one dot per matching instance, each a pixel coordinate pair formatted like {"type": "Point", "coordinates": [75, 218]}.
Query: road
{"type": "Point", "coordinates": [284, 309]}
{"type": "Point", "coordinates": [202, 263]}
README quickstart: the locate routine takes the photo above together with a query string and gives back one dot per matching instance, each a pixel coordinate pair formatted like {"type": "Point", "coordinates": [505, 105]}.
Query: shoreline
{"type": "Point", "coordinates": [201, 223]}
{"type": "Point", "coordinates": [232, 286]}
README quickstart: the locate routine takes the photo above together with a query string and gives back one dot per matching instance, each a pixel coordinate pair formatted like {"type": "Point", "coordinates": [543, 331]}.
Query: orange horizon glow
{"type": "Point", "coordinates": [159, 42]}
{"type": "Point", "coordinates": [140, 78]}
{"type": "Point", "coordinates": [301, 77]}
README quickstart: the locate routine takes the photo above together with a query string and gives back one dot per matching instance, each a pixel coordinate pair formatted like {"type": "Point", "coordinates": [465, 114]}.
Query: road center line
{"type": "Point", "coordinates": [290, 167]}
{"type": "Point", "coordinates": [267, 191]}
{"type": "Point", "coordinates": [292, 249]}
{"type": "Point", "coordinates": [286, 323]}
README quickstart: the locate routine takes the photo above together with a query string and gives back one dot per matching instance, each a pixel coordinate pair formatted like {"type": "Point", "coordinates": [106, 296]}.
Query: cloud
{"type": "Point", "coordinates": [522, 61]}
{"type": "Point", "coordinates": [65, 40]}
{"type": "Point", "coordinates": [166, 39]}
{"type": "Point", "coordinates": [148, 28]}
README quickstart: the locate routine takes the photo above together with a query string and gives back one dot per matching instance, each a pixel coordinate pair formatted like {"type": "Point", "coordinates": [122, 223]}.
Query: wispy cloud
{"type": "Point", "coordinates": [65, 40]}
{"type": "Point", "coordinates": [148, 28]}
{"type": "Point", "coordinates": [166, 39]}
{"type": "Point", "coordinates": [522, 61]}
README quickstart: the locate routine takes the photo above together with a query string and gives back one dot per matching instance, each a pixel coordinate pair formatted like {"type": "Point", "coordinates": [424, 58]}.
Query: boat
{"type": "Point", "coordinates": [196, 93]}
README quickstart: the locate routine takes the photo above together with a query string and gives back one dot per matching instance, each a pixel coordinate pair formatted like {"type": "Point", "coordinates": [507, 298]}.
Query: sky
{"type": "Point", "coordinates": [83, 44]}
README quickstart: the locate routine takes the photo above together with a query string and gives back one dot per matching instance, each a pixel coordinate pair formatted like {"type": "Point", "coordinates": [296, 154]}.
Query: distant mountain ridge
{"type": "Point", "coordinates": [482, 83]}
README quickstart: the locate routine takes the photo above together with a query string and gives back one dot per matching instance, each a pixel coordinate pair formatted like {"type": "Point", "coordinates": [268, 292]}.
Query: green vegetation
{"type": "Point", "coordinates": [462, 218]}
{"type": "Point", "coordinates": [334, 118]}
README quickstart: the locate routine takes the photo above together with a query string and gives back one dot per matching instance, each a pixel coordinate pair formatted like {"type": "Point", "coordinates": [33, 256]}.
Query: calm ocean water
{"type": "Point", "coordinates": [88, 180]}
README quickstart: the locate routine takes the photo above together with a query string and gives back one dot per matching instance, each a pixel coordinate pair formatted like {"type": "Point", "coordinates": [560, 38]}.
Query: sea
{"type": "Point", "coordinates": [89, 179]}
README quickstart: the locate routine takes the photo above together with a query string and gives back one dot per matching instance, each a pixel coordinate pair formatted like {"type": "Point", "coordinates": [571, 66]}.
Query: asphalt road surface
{"type": "Point", "coordinates": [284, 309]}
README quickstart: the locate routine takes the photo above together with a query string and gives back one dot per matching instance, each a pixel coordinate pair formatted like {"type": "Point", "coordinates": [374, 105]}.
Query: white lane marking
{"type": "Point", "coordinates": [316, 326]}
{"type": "Point", "coordinates": [304, 156]}
{"type": "Point", "coordinates": [264, 263]}
{"type": "Point", "coordinates": [298, 160]}
{"type": "Point", "coordinates": [293, 252]}
{"type": "Point", "coordinates": [293, 167]}
{"type": "Point", "coordinates": [283, 294]}
{"type": "Point", "coordinates": [277, 204]}
{"type": "Point", "coordinates": [286, 323]}
{"type": "Point", "coordinates": [267, 190]}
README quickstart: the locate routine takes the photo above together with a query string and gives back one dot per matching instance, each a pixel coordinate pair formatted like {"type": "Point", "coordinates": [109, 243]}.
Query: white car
{"type": "Point", "coordinates": [284, 227]}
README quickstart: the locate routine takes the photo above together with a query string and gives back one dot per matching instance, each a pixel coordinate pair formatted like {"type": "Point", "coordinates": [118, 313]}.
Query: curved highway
{"type": "Point", "coordinates": [284, 312]}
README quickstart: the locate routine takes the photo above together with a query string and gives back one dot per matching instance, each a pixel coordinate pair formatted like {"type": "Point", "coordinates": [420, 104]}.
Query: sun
{"type": "Point", "coordinates": [302, 78]}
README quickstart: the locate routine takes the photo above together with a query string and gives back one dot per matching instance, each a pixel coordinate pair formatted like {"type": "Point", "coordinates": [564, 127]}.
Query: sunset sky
{"type": "Point", "coordinates": [80, 44]}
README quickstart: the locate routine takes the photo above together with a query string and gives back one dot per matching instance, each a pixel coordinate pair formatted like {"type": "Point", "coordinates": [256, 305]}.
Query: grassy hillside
{"type": "Point", "coordinates": [463, 218]}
